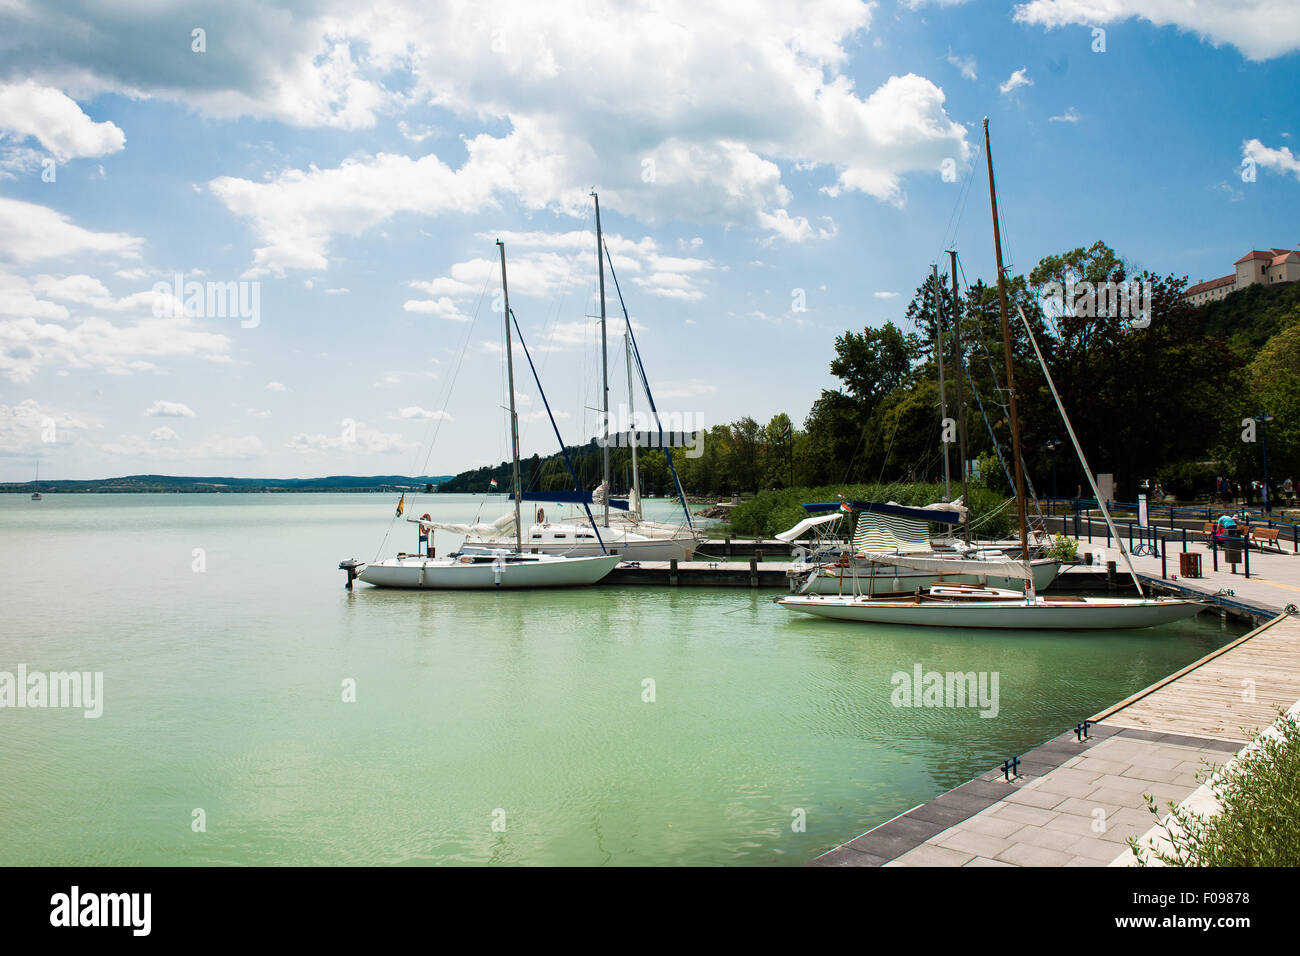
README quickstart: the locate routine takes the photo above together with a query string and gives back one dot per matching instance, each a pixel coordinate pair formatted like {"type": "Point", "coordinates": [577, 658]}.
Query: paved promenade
{"type": "Point", "coordinates": [1076, 802]}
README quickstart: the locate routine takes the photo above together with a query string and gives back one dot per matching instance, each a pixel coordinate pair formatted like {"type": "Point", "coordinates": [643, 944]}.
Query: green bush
{"type": "Point", "coordinates": [1258, 823]}
{"type": "Point", "coordinates": [773, 511]}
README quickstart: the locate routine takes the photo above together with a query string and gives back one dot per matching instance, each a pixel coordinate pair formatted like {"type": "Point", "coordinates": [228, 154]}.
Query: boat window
{"type": "Point", "coordinates": [558, 537]}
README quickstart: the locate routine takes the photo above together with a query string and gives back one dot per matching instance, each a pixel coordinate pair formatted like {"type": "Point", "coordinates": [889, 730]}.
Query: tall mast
{"type": "Point", "coordinates": [636, 476]}
{"type": "Point", "coordinates": [1006, 347]}
{"type": "Point", "coordinates": [961, 402]}
{"type": "Point", "coordinates": [604, 360]}
{"type": "Point", "coordinates": [943, 401]}
{"type": "Point", "coordinates": [514, 418]}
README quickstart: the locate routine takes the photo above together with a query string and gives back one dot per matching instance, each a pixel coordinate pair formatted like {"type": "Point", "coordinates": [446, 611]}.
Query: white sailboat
{"type": "Point", "coordinates": [488, 568]}
{"type": "Point", "coordinates": [623, 528]}
{"type": "Point", "coordinates": [830, 566]}
{"type": "Point", "coordinates": [36, 485]}
{"type": "Point", "coordinates": [946, 605]}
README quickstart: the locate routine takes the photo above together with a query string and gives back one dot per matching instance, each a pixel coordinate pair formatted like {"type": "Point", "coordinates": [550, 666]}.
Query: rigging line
{"type": "Point", "coordinates": [437, 430]}
{"type": "Point", "coordinates": [959, 209]}
{"type": "Point", "coordinates": [573, 474]}
{"type": "Point", "coordinates": [456, 372]}
{"type": "Point", "coordinates": [645, 384]}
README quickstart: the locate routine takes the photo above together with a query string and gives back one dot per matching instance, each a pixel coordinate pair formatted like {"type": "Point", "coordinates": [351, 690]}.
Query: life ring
{"type": "Point", "coordinates": [541, 516]}
{"type": "Point", "coordinates": [423, 518]}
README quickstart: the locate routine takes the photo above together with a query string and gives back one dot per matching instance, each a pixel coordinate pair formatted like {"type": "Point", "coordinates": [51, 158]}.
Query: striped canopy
{"type": "Point", "coordinates": [884, 533]}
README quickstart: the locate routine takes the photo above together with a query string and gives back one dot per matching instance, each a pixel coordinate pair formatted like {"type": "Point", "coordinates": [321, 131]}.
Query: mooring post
{"type": "Point", "coordinates": [753, 572]}
{"type": "Point", "coordinates": [1110, 575]}
{"type": "Point", "coordinates": [672, 572]}
{"type": "Point", "coordinates": [1164, 570]}
{"type": "Point", "coordinates": [1184, 539]}
{"type": "Point", "coordinates": [1245, 547]}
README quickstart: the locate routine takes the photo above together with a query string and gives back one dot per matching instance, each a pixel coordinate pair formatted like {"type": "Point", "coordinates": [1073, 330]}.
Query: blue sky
{"type": "Point", "coordinates": [357, 166]}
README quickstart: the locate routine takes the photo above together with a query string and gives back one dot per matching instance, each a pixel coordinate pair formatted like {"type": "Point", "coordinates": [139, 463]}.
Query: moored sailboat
{"type": "Point", "coordinates": [488, 568]}
{"type": "Point", "coordinates": [945, 605]}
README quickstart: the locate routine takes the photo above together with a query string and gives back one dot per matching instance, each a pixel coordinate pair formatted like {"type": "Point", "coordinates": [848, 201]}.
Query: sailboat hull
{"type": "Point", "coordinates": [1038, 615]}
{"type": "Point", "coordinates": [578, 541]}
{"type": "Point", "coordinates": [484, 573]}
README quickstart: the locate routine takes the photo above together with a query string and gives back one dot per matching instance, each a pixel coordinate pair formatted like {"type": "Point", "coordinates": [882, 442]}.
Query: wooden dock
{"type": "Point", "coordinates": [1076, 800]}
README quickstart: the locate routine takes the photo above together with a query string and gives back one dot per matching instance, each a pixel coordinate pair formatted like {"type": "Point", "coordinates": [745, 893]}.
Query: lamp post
{"type": "Point", "coordinates": [1264, 418]}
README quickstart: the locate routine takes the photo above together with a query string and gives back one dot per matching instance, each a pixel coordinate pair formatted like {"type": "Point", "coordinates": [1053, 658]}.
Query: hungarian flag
{"type": "Point", "coordinates": [492, 483]}
{"type": "Point", "coordinates": [401, 504]}
{"type": "Point", "coordinates": [845, 506]}
{"type": "Point", "coordinates": [785, 431]}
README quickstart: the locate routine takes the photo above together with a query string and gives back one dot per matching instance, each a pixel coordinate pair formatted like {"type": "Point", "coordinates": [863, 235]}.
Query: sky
{"type": "Point", "coordinates": [324, 185]}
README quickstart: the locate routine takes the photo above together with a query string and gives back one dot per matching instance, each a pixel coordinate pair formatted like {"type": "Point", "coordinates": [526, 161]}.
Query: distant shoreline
{"type": "Point", "coordinates": [168, 484]}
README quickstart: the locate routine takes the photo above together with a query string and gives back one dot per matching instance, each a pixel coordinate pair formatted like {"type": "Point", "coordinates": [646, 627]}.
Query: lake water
{"type": "Point", "coordinates": [225, 670]}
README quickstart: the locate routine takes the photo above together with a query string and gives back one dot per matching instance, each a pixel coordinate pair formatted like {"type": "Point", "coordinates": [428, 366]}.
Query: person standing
{"type": "Point", "coordinates": [1288, 489]}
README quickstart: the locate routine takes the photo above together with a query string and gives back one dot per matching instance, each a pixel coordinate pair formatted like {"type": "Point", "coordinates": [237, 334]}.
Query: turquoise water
{"type": "Point", "coordinates": [223, 691]}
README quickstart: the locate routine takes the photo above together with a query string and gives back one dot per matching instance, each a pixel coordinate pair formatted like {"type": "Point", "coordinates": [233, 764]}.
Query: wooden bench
{"type": "Point", "coordinates": [1266, 536]}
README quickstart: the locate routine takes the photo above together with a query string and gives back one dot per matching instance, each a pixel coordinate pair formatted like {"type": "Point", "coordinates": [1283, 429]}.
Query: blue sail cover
{"type": "Point", "coordinates": [899, 511]}
{"type": "Point", "coordinates": [567, 498]}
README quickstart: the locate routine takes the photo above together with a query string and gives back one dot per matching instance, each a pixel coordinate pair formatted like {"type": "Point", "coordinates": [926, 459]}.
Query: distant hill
{"type": "Point", "coordinates": [1251, 316]}
{"type": "Point", "coordinates": [174, 484]}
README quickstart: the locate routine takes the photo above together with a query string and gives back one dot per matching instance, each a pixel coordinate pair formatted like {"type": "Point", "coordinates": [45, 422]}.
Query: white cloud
{"type": "Point", "coordinates": [27, 345]}
{"type": "Point", "coordinates": [161, 409]}
{"type": "Point", "coordinates": [885, 295]}
{"type": "Point", "coordinates": [165, 433]}
{"type": "Point", "coordinates": [422, 414]}
{"type": "Point", "coordinates": [29, 428]}
{"type": "Point", "coordinates": [1071, 115]}
{"type": "Point", "coordinates": [276, 387]}
{"type": "Point", "coordinates": [1280, 160]}
{"type": "Point", "coordinates": [964, 63]}
{"type": "Point", "coordinates": [55, 121]}
{"type": "Point", "coordinates": [1260, 29]}
{"type": "Point", "coordinates": [442, 308]}
{"type": "Point", "coordinates": [552, 87]}
{"type": "Point", "coordinates": [30, 232]}
{"type": "Point", "coordinates": [361, 438]}
{"type": "Point", "coordinates": [1016, 80]}
{"type": "Point", "coordinates": [691, 388]}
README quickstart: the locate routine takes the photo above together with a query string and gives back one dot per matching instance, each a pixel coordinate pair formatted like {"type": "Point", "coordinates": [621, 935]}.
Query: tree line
{"type": "Point", "coordinates": [1160, 396]}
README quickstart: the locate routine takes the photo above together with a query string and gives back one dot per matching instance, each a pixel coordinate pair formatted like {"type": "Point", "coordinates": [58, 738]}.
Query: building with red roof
{"type": "Point", "coordinates": [1264, 266]}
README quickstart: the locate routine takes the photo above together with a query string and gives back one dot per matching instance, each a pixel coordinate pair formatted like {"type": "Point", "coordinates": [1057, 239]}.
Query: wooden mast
{"type": "Point", "coordinates": [961, 401]}
{"type": "Point", "coordinates": [1006, 346]}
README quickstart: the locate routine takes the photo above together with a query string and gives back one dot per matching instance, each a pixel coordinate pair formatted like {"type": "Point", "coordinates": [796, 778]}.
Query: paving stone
{"type": "Point", "coordinates": [1022, 854]}
{"type": "Point", "coordinates": [1036, 797]}
{"type": "Point", "coordinates": [929, 854]}
{"type": "Point", "coordinates": [1085, 807]}
{"type": "Point", "coordinates": [973, 843]}
{"type": "Point", "coordinates": [985, 861]}
{"type": "Point", "coordinates": [1099, 851]}
{"type": "Point", "coordinates": [1046, 837]}
{"type": "Point", "coordinates": [1030, 815]}
{"type": "Point", "coordinates": [991, 826]}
